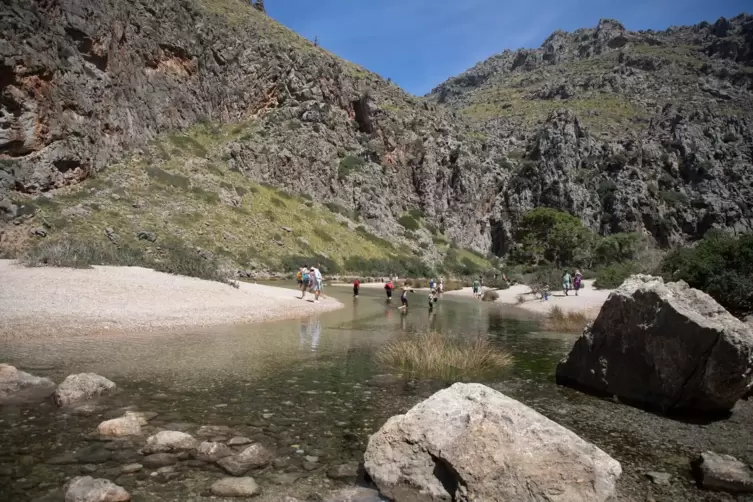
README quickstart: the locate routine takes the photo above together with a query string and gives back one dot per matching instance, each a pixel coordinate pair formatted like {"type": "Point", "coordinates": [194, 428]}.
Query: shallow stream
{"type": "Point", "coordinates": [312, 388]}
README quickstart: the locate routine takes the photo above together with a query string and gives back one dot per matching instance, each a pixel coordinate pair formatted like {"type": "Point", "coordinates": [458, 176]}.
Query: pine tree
{"type": "Point", "coordinates": [260, 5]}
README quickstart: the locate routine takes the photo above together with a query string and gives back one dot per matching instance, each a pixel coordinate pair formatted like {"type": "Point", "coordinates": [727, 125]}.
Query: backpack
{"type": "Point", "coordinates": [299, 276]}
{"type": "Point", "coordinates": [305, 278]}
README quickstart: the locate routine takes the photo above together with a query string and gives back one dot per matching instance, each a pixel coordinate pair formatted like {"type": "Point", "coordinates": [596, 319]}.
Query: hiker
{"type": "Point", "coordinates": [404, 298]}
{"type": "Point", "coordinates": [431, 284]}
{"type": "Point", "coordinates": [356, 287]}
{"type": "Point", "coordinates": [566, 282]}
{"type": "Point", "coordinates": [577, 281]}
{"type": "Point", "coordinates": [299, 277]}
{"type": "Point", "coordinates": [305, 278]}
{"type": "Point", "coordinates": [440, 288]}
{"type": "Point", "coordinates": [476, 288]}
{"type": "Point", "coordinates": [316, 277]}
{"type": "Point", "coordinates": [388, 289]}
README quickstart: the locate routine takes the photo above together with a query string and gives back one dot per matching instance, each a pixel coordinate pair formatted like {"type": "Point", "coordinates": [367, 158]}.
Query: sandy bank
{"type": "Point", "coordinates": [58, 301]}
{"type": "Point", "coordinates": [589, 300]}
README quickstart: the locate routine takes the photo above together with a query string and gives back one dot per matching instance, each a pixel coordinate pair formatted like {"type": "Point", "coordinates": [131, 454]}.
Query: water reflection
{"type": "Point", "coordinates": [311, 330]}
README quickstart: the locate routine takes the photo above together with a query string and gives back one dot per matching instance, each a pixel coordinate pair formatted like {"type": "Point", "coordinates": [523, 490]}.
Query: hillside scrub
{"type": "Point", "coordinates": [173, 258]}
{"type": "Point", "coordinates": [720, 265]}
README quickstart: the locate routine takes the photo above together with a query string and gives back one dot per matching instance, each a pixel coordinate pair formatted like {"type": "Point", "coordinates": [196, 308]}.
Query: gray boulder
{"type": "Point", "coordinates": [88, 489]}
{"type": "Point", "coordinates": [253, 457]}
{"type": "Point", "coordinates": [470, 442]}
{"type": "Point", "coordinates": [82, 387]}
{"type": "Point", "coordinates": [723, 473]}
{"type": "Point", "coordinates": [21, 387]}
{"type": "Point", "coordinates": [168, 442]}
{"type": "Point", "coordinates": [666, 346]}
{"type": "Point", "coordinates": [235, 487]}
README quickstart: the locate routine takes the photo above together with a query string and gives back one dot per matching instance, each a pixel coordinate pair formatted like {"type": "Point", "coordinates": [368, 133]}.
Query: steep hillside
{"type": "Point", "coordinates": [191, 118]}
{"type": "Point", "coordinates": [629, 131]}
{"type": "Point", "coordinates": [84, 83]}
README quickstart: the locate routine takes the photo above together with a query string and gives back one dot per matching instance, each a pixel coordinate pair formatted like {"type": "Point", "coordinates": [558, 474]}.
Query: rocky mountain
{"type": "Point", "coordinates": [196, 119]}
{"type": "Point", "coordinates": [630, 131]}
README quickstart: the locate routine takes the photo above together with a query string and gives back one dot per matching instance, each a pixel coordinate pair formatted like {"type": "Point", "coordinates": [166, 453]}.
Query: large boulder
{"type": "Point", "coordinates": [21, 387]}
{"type": "Point", "coordinates": [88, 489]}
{"type": "Point", "coordinates": [470, 442]}
{"type": "Point", "coordinates": [665, 346]}
{"type": "Point", "coordinates": [82, 387]}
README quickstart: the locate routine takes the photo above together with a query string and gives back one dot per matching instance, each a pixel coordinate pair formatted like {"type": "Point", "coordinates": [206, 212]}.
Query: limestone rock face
{"type": "Point", "coordinates": [82, 387]}
{"type": "Point", "coordinates": [20, 387]}
{"type": "Point", "coordinates": [470, 442]}
{"type": "Point", "coordinates": [666, 346]}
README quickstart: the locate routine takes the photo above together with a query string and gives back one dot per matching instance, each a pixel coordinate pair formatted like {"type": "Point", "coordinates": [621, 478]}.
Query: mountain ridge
{"type": "Point", "coordinates": [99, 84]}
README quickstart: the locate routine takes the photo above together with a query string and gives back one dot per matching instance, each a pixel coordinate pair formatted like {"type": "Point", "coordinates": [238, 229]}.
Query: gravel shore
{"type": "Point", "coordinates": [63, 302]}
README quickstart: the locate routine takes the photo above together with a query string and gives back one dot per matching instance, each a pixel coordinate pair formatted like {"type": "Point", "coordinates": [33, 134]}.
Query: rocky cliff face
{"type": "Point", "coordinates": [629, 131]}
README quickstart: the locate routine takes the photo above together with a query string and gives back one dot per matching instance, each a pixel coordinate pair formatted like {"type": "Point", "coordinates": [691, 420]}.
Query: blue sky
{"type": "Point", "coordinates": [420, 43]}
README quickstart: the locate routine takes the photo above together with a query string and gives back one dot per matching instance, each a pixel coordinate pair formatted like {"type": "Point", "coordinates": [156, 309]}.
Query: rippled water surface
{"type": "Point", "coordinates": [305, 388]}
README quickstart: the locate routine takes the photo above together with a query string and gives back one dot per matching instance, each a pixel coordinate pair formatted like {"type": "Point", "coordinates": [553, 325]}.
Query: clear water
{"type": "Point", "coordinates": [308, 387]}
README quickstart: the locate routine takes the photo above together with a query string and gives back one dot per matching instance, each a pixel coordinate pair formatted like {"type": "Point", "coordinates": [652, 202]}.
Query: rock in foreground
{"type": "Point", "coordinates": [82, 387]}
{"type": "Point", "coordinates": [253, 457]}
{"type": "Point", "coordinates": [724, 473]}
{"type": "Point", "coordinates": [118, 427]}
{"type": "Point", "coordinates": [21, 387]}
{"type": "Point", "coordinates": [169, 441]}
{"type": "Point", "coordinates": [235, 487]}
{"type": "Point", "coordinates": [470, 442]}
{"type": "Point", "coordinates": [666, 346]}
{"type": "Point", "coordinates": [88, 489]}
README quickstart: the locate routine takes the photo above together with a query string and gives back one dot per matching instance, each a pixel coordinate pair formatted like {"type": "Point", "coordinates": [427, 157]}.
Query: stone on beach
{"type": "Point", "coordinates": [235, 487]}
{"type": "Point", "coordinates": [123, 426]}
{"type": "Point", "coordinates": [88, 489]}
{"type": "Point", "coordinates": [20, 387]}
{"type": "Point", "coordinates": [723, 473]}
{"type": "Point", "coordinates": [253, 457]}
{"type": "Point", "coordinates": [470, 442]}
{"type": "Point", "coordinates": [665, 346]}
{"type": "Point", "coordinates": [209, 451]}
{"type": "Point", "coordinates": [82, 387]}
{"type": "Point", "coordinates": [169, 441]}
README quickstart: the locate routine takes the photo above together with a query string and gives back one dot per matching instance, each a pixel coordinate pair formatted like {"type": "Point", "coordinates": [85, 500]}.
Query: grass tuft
{"type": "Point", "coordinates": [432, 355]}
{"type": "Point", "coordinates": [565, 322]}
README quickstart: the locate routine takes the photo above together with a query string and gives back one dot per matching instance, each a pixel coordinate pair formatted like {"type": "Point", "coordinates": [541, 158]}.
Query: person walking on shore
{"type": "Point", "coordinates": [316, 276]}
{"type": "Point", "coordinates": [577, 281]}
{"type": "Point", "coordinates": [566, 282]}
{"type": "Point", "coordinates": [305, 278]}
{"type": "Point", "coordinates": [356, 287]}
{"type": "Point", "coordinates": [476, 288]}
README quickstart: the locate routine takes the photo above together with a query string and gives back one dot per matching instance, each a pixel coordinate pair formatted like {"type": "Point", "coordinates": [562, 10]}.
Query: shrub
{"type": "Point", "coordinates": [189, 144]}
{"type": "Point", "coordinates": [611, 276]}
{"type": "Point", "coordinates": [416, 214]}
{"type": "Point", "coordinates": [674, 197]}
{"type": "Point", "coordinates": [618, 247]}
{"type": "Point", "coordinates": [374, 239]}
{"type": "Point", "coordinates": [408, 222]}
{"type": "Point", "coordinates": [565, 322]}
{"type": "Point", "coordinates": [490, 296]}
{"type": "Point", "coordinates": [173, 180]}
{"type": "Point", "coordinates": [206, 195]}
{"type": "Point", "coordinates": [349, 164]}
{"type": "Point", "coordinates": [174, 257]}
{"type": "Point", "coordinates": [323, 235]}
{"type": "Point", "coordinates": [278, 202]}
{"type": "Point", "coordinates": [548, 235]}
{"type": "Point", "coordinates": [432, 355]}
{"type": "Point", "coordinates": [291, 263]}
{"type": "Point", "coordinates": [720, 265]}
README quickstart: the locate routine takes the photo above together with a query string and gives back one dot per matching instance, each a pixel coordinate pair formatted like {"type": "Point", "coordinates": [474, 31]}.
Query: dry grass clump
{"type": "Point", "coordinates": [432, 355]}
{"type": "Point", "coordinates": [565, 322]}
{"type": "Point", "coordinates": [490, 296]}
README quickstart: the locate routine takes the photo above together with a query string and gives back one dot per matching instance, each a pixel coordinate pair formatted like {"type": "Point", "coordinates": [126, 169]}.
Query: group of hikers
{"type": "Point", "coordinates": [573, 281]}
{"type": "Point", "coordinates": [309, 279]}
